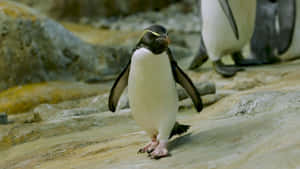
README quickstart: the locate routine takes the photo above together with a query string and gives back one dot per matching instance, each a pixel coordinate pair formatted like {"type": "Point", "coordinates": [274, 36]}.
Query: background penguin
{"type": "Point", "coordinates": [226, 26]}
{"type": "Point", "coordinates": [274, 30]}
{"type": "Point", "coordinates": [264, 40]}
{"type": "Point", "coordinates": [151, 76]}
{"type": "Point", "coordinates": [289, 25]}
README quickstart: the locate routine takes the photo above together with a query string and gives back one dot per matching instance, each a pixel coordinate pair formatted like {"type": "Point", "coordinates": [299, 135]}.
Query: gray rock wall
{"type": "Point", "coordinates": [75, 9]}
{"type": "Point", "coordinates": [34, 48]}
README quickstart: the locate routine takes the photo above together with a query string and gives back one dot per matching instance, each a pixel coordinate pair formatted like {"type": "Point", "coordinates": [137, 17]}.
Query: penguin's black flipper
{"type": "Point", "coordinates": [228, 12]}
{"type": "Point", "coordinates": [118, 88]}
{"type": "Point", "coordinates": [286, 9]}
{"type": "Point", "coordinates": [181, 78]}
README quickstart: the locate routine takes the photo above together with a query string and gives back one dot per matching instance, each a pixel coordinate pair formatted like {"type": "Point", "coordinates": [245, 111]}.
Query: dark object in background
{"type": "Point", "coordinates": [287, 22]}
{"type": "Point", "coordinates": [74, 10]}
{"type": "Point", "coordinates": [263, 42]}
{"type": "Point", "coordinates": [268, 41]}
{"type": "Point", "coordinates": [3, 118]}
{"type": "Point", "coordinates": [233, 46]}
{"type": "Point", "coordinates": [272, 37]}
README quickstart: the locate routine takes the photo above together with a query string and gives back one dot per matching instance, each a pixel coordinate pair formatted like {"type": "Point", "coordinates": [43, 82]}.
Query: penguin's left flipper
{"type": "Point", "coordinates": [181, 78]}
{"type": "Point", "coordinates": [118, 88]}
{"type": "Point", "coordinates": [228, 12]}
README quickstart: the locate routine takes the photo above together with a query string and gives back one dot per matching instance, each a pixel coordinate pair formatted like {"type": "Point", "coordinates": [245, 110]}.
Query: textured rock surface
{"type": "Point", "coordinates": [76, 9]}
{"type": "Point", "coordinates": [182, 17]}
{"type": "Point", "coordinates": [122, 41]}
{"type": "Point", "coordinates": [34, 48]}
{"type": "Point", "coordinates": [23, 98]}
{"type": "Point", "coordinates": [253, 128]}
{"type": "Point", "coordinates": [251, 122]}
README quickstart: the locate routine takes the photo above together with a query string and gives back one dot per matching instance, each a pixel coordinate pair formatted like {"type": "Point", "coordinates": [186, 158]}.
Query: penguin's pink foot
{"type": "Point", "coordinates": [149, 147]}
{"type": "Point", "coordinates": [160, 151]}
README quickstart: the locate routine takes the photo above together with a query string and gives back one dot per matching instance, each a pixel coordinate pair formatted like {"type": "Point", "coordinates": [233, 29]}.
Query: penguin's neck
{"type": "Point", "coordinates": [145, 53]}
{"type": "Point", "coordinates": [155, 50]}
{"type": "Point", "coordinates": [144, 63]}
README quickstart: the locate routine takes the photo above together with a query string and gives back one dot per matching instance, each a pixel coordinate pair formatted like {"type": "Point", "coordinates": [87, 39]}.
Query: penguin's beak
{"type": "Point", "coordinates": [168, 40]}
{"type": "Point", "coordinates": [163, 40]}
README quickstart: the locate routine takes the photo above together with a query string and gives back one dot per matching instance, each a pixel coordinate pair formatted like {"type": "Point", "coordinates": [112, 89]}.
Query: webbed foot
{"type": "Point", "coordinates": [160, 151]}
{"type": "Point", "coordinates": [224, 70]}
{"type": "Point", "coordinates": [149, 147]}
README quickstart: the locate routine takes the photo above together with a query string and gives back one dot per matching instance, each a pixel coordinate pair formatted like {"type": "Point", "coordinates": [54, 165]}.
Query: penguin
{"type": "Point", "coordinates": [289, 29]}
{"type": "Point", "coordinates": [226, 27]}
{"type": "Point", "coordinates": [263, 45]}
{"type": "Point", "coordinates": [151, 77]}
{"type": "Point", "coordinates": [274, 31]}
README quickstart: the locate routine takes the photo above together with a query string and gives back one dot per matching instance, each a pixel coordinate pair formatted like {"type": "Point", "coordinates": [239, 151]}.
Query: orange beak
{"type": "Point", "coordinates": [168, 40]}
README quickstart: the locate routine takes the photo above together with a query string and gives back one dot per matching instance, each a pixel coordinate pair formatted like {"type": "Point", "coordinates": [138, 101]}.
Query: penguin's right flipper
{"type": "Point", "coordinates": [118, 88]}
{"type": "Point", "coordinates": [228, 12]}
{"type": "Point", "coordinates": [181, 78]}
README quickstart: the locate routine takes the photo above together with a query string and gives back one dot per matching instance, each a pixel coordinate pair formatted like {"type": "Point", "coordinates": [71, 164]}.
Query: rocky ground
{"type": "Point", "coordinates": [253, 124]}
{"type": "Point", "coordinates": [250, 121]}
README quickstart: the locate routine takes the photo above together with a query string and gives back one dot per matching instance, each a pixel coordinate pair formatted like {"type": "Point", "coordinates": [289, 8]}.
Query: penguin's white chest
{"type": "Point", "coordinates": [152, 91]}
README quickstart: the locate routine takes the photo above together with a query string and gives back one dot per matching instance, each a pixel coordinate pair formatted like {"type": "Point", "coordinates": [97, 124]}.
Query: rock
{"type": "Point", "coordinates": [241, 130]}
{"type": "Point", "coordinates": [263, 102]}
{"type": "Point", "coordinates": [244, 83]}
{"type": "Point", "coordinates": [76, 9]}
{"type": "Point", "coordinates": [204, 88]}
{"type": "Point", "coordinates": [23, 98]}
{"type": "Point", "coordinates": [35, 119]}
{"type": "Point", "coordinates": [173, 18]}
{"type": "Point", "coordinates": [3, 118]}
{"type": "Point", "coordinates": [123, 42]}
{"type": "Point", "coordinates": [34, 48]}
{"type": "Point", "coordinates": [206, 101]}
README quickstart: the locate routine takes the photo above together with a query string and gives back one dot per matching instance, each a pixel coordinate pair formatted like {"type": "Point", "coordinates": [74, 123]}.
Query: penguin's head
{"type": "Point", "coordinates": [155, 38]}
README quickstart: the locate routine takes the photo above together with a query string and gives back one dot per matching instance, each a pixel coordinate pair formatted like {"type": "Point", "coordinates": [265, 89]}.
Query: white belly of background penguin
{"type": "Point", "coordinates": [226, 27]}
{"type": "Point", "coordinates": [151, 75]}
{"type": "Point", "coordinates": [152, 93]}
{"type": "Point", "coordinates": [217, 33]}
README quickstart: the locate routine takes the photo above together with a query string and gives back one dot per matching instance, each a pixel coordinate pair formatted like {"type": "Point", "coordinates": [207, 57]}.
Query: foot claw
{"type": "Point", "coordinates": [150, 151]}
{"type": "Point", "coordinates": [141, 151]}
{"type": "Point", "coordinates": [159, 152]}
{"type": "Point", "coordinates": [149, 148]}
{"type": "Point", "coordinates": [157, 157]}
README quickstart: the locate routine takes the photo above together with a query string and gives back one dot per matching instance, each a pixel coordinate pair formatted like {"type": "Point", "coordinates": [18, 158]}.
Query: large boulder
{"type": "Point", "coordinates": [34, 48]}
{"type": "Point", "coordinates": [75, 9]}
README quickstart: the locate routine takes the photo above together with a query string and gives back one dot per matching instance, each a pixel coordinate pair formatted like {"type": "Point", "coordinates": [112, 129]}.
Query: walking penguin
{"type": "Point", "coordinates": [151, 75]}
